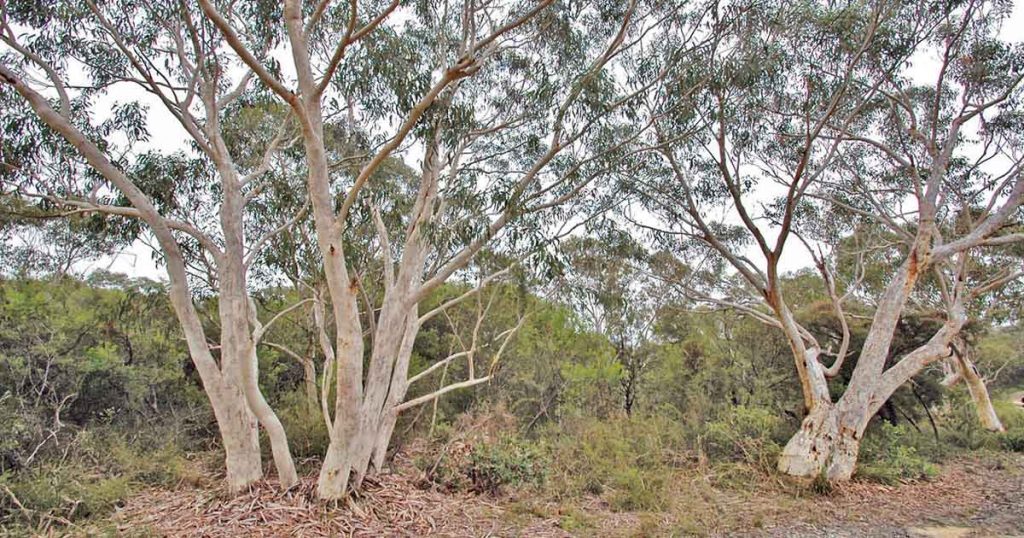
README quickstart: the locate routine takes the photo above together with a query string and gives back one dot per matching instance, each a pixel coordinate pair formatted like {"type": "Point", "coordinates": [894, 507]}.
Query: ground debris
{"type": "Point", "coordinates": [972, 497]}
{"type": "Point", "coordinates": [390, 505]}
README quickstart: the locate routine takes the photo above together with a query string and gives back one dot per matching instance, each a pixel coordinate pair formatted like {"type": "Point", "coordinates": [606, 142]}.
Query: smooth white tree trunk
{"type": "Point", "coordinates": [223, 383]}
{"type": "Point", "coordinates": [979, 394]}
{"type": "Point", "coordinates": [239, 436]}
{"type": "Point", "coordinates": [238, 354]}
{"type": "Point", "coordinates": [359, 441]}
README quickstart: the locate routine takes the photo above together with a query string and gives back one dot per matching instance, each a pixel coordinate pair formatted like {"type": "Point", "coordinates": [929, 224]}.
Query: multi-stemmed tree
{"type": "Point", "coordinates": [64, 62]}
{"type": "Point", "coordinates": [516, 110]}
{"type": "Point", "coordinates": [818, 119]}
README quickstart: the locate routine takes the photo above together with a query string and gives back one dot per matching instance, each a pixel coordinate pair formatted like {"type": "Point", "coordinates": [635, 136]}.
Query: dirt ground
{"type": "Point", "coordinates": [980, 496]}
{"type": "Point", "coordinates": [972, 497]}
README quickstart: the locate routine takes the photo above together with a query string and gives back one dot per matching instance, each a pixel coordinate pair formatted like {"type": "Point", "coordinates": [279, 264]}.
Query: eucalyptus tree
{"type": "Point", "coordinates": [66, 61]}
{"type": "Point", "coordinates": [878, 253]}
{"type": "Point", "coordinates": [39, 242]}
{"type": "Point", "coordinates": [515, 107]}
{"type": "Point", "coordinates": [814, 120]}
{"type": "Point", "coordinates": [605, 283]}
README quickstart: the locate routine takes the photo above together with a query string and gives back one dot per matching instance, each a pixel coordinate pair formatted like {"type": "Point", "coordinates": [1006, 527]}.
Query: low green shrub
{"type": "Point", "coordinates": [903, 463]}
{"type": "Point", "coordinates": [70, 492]}
{"type": "Point", "coordinates": [100, 469]}
{"type": "Point", "coordinates": [574, 519]}
{"type": "Point", "coordinates": [481, 452]}
{"type": "Point", "coordinates": [508, 462]}
{"type": "Point", "coordinates": [153, 459]}
{"type": "Point", "coordinates": [442, 474]}
{"type": "Point", "coordinates": [626, 460]}
{"type": "Point", "coordinates": [304, 424]}
{"type": "Point", "coordinates": [1012, 440]}
{"type": "Point", "coordinates": [632, 489]}
{"type": "Point", "coordinates": [745, 434]}
{"type": "Point", "coordinates": [961, 428]}
{"type": "Point", "coordinates": [889, 455]}
{"type": "Point", "coordinates": [1012, 417]}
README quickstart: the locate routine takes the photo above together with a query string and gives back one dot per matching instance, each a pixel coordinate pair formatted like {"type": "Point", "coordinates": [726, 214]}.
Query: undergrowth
{"type": "Point", "coordinates": [91, 474]}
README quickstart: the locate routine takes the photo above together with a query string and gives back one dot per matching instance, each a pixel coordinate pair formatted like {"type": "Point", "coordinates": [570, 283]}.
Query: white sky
{"type": "Point", "coordinates": [168, 136]}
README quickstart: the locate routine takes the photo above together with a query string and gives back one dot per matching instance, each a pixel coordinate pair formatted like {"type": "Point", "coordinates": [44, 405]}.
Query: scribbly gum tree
{"type": "Point", "coordinates": [807, 132]}
{"type": "Point", "coordinates": [514, 111]}
{"type": "Point", "coordinates": [60, 64]}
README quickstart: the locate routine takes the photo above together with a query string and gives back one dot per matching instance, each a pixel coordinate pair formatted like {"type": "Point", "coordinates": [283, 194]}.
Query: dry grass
{"type": "Point", "coordinates": [972, 492]}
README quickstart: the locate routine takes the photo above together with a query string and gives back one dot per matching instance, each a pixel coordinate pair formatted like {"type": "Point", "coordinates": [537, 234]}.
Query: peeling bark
{"type": "Point", "coordinates": [826, 444]}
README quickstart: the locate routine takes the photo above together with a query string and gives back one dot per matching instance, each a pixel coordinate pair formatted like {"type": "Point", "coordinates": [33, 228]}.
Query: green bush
{"type": "Point", "coordinates": [17, 432]}
{"type": "Point", "coordinates": [307, 432]}
{"type": "Point", "coordinates": [1012, 417]}
{"type": "Point", "coordinates": [889, 455]}
{"type": "Point", "coordinates": [745, 434]}
{"type": "Point", "coordinates": [102, 469]}
{"type": "Point", "coordinates": [961, 426]}
{"type": "Point", "coordinates": [155, 458]}
{"type": "Point", "coordinates": [632, 489]}
{"type": "Point", "coordinates": [963, 430]}
{"type": "Point", "coordinates": [1012, 440]}
{"type": "Point", "coordinates": [902, 463]}
{"type": "Point", "coordinates": [509, 462]}
{"type": "Point", "coordinates": [626, 460]}
{"type": "Point", "coordinates": [72, 492]}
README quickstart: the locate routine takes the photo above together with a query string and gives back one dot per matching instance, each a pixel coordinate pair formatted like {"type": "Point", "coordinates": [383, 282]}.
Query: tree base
{"type": "Point", "coordinates": [822, 446]}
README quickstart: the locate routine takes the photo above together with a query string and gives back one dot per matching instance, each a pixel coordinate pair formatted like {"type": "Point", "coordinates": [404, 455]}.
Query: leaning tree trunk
{"type": "Point", "coordinates": [979, 393]}
{"type": "Point", "coordinates": [234, 420]}
{"type": "Point", "coordinates": [223, 386]}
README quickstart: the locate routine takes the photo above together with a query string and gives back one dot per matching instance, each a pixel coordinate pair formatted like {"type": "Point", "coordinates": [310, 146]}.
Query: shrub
{"type": "Point", "coordinates": [634, 489]}
{"type": "Point", "coordinates": [307, 432]}
{"type": "Point", "coordinates": [103, 467]}
{"type": "Point", "coordinates": [745, 434]}
{"type": "Point", "coordinates": [1013, 440]}
{"type": "Point", "coordinates": [509, 462]}
{"type": "Point", "coordinates": [1012, 417]}
{"type": "Point", "coordinates": [962, 429]}
{"type": "Point", "coordinates": [70, 492]}
{"type": "Point", "coordinates": [626, 460]}
{"type": "Point", "coordinates": [889, 456]}
{"type": "Point", "coordinates": [902, 463]}
{"type": "Point", "coordinates": [573, 519]}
